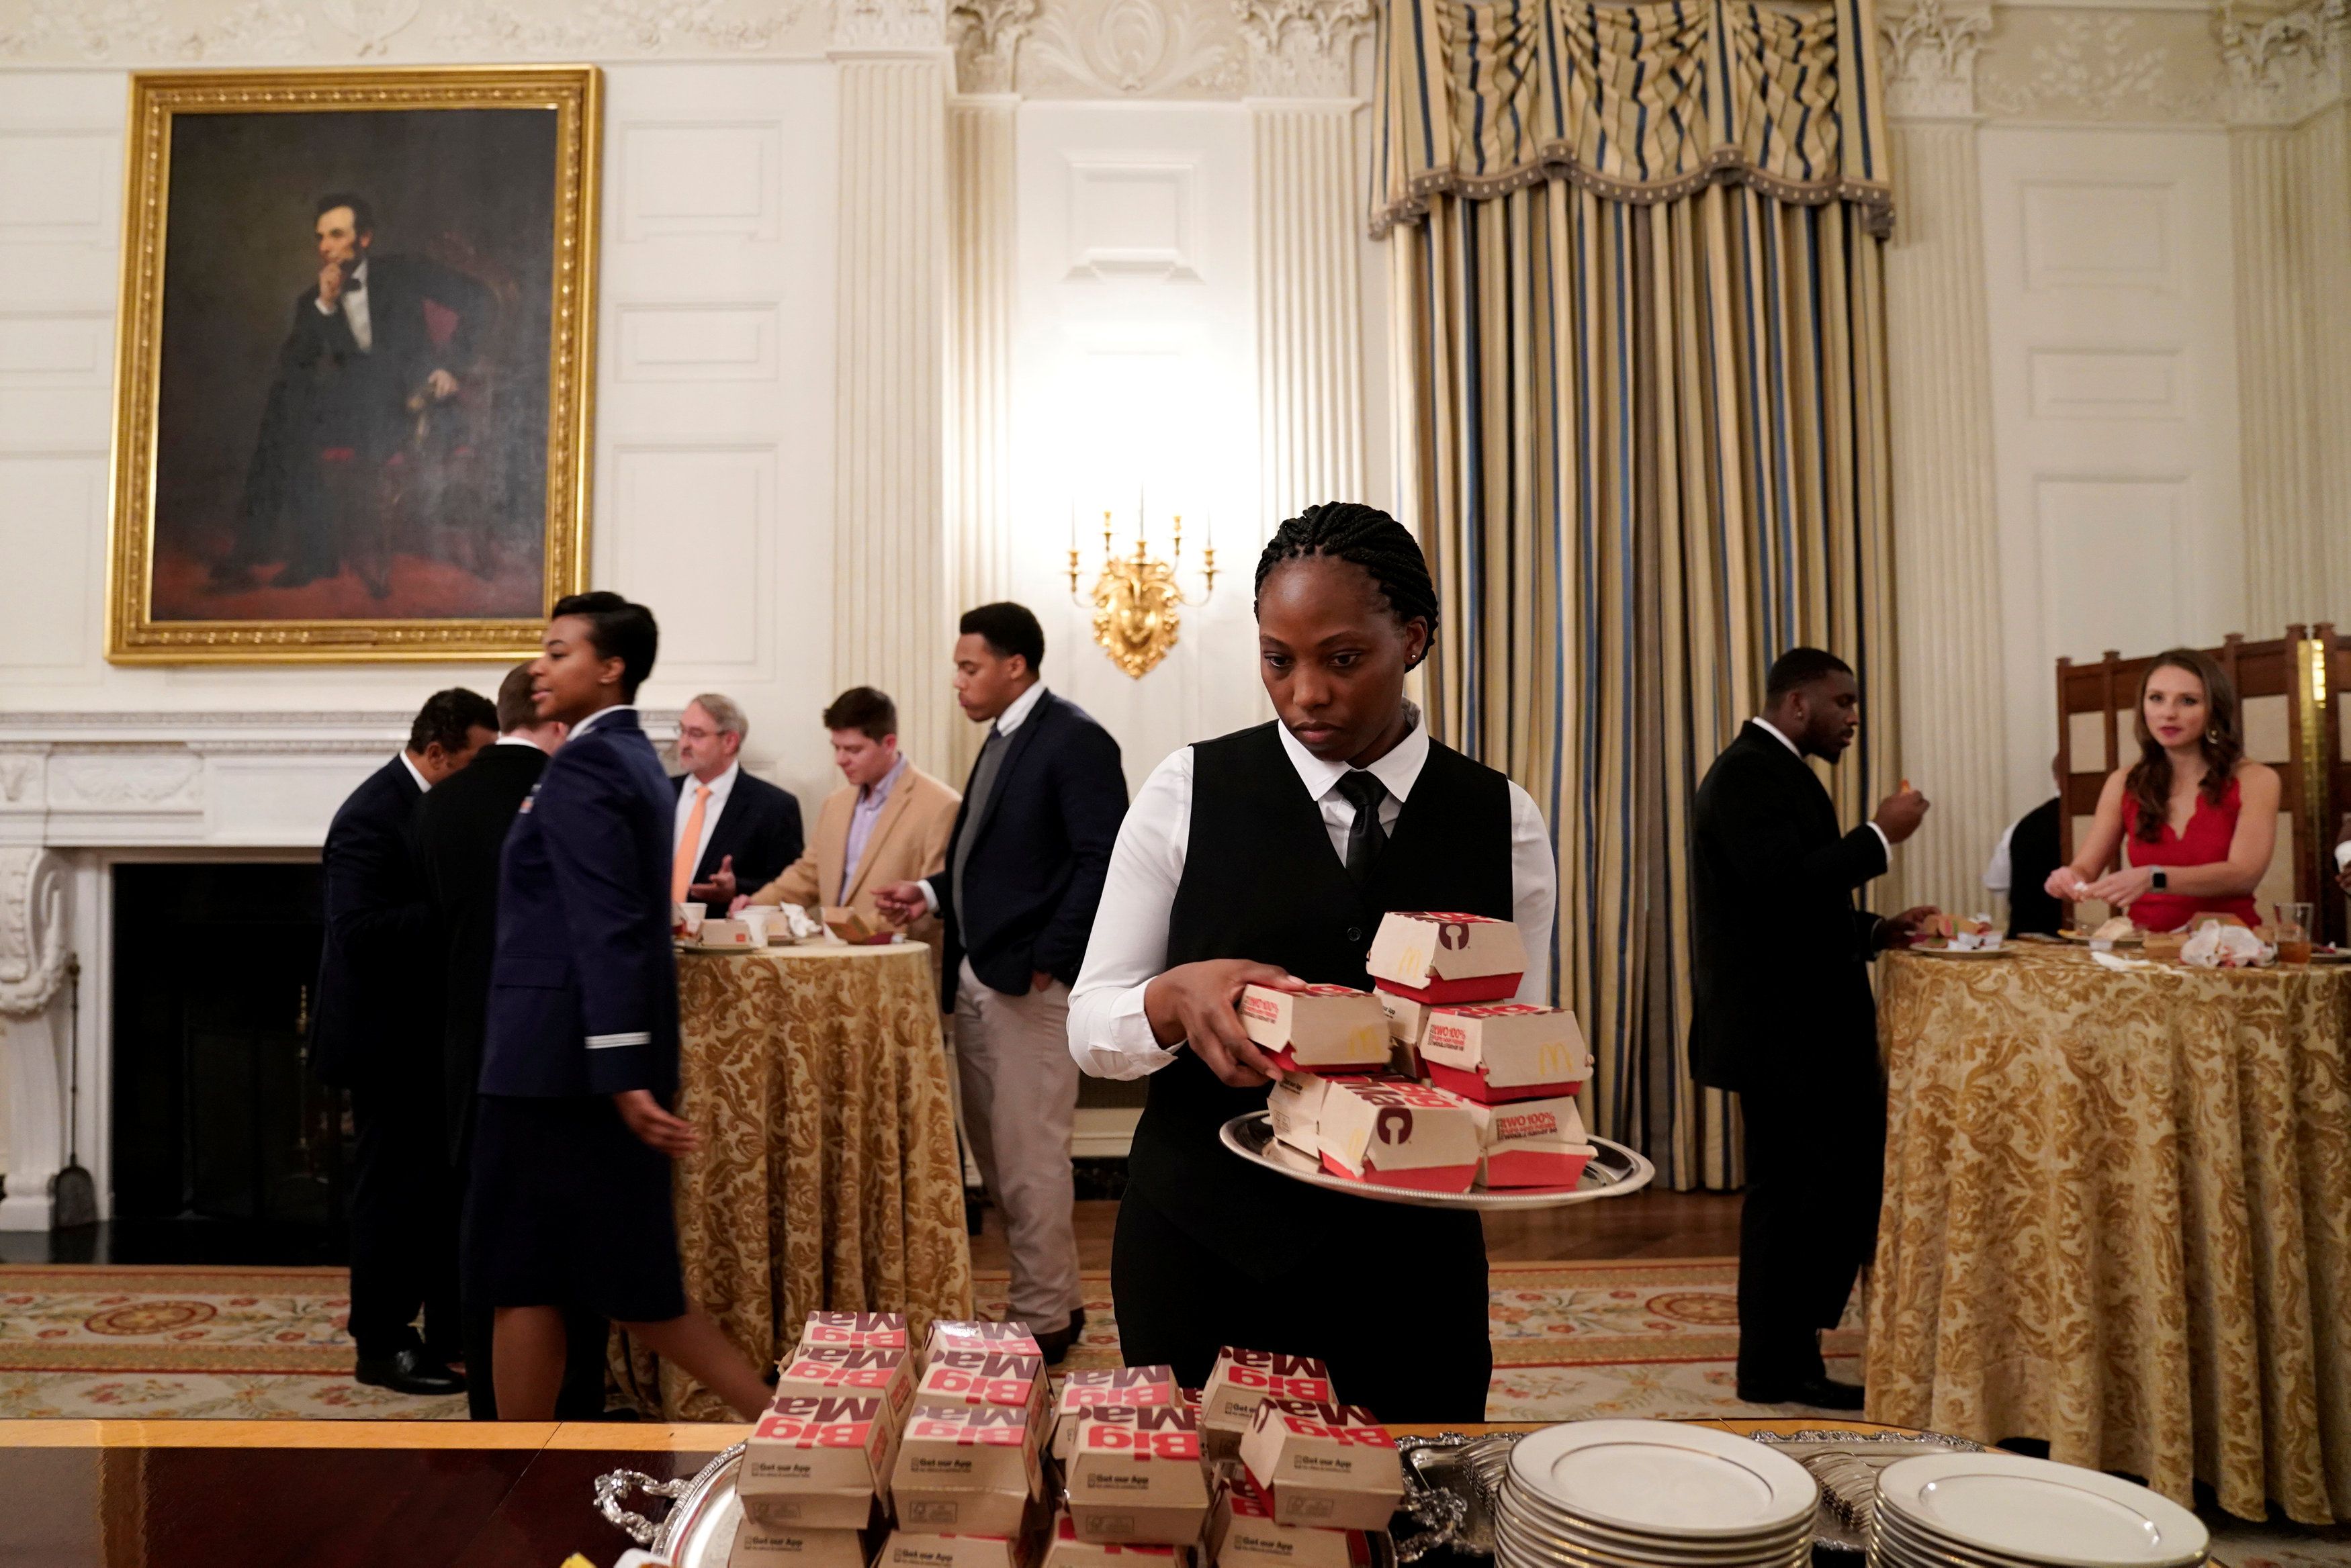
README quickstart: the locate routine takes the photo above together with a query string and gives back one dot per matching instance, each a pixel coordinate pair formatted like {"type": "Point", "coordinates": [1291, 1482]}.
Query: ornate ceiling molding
{"type": "Point", "coordinates": [272, 32]}
{"type": "Point", "coordinates": [2284, 67]}
{"type": "Point", "coordinates": [2093, 66]}
{"type": "Point", "coordinates": [1304, 48]}
{"type": "Point", "coordinates": [1930, 60]}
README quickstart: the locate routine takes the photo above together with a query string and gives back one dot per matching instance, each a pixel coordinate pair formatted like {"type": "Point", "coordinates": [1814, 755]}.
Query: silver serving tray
{"type": "Point", "coordinates": [698, 1531]}
{"type": "Point", "coordinates": [1613, 1172]}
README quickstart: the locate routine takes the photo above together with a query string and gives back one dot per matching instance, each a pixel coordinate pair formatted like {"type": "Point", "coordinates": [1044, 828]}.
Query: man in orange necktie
{"type": "Point", "coordinates": [732, 832]}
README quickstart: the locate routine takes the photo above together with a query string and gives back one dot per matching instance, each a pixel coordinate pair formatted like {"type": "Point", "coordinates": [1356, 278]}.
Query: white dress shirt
{"type": "Point", "coordinates": [1011, 719]}
{"type": "Point", "coordinates": [413, 771]}
{"type": "Point", "coordinates": [2001, 870]}
{"type": "Point", "coordinates": [1109, 1035]}
{"type": "Point", "coordinates": [354, 306]}
{"type": "Point", "coordinates": [1772, 730]}
{"type": "Point", "coordinates": [720, 788]}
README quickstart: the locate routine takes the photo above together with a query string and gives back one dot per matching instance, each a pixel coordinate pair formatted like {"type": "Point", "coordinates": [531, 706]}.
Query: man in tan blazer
{"type": "Point", "coordinates": [889, 823]}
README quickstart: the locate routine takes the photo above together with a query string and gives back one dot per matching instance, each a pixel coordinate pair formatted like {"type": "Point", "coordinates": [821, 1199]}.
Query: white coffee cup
{"type": "Point", "coordinates": [756, 917]}
{"type": "Point", "coordinates": [687, 921]}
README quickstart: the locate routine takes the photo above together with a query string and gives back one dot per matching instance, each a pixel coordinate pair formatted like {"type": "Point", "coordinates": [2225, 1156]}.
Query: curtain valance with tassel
{"type": "Point", "coordinates": [1643, 102]}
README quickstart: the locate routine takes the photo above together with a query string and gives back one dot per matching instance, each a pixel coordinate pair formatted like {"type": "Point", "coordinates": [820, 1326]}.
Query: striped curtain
{"type": "Point", "coordinates": [1639, 324]}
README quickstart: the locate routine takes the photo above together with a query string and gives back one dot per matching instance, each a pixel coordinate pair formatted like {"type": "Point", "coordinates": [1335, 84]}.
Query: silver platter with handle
{"type": "Point", "coordinates": [1613, 1172]}
{"type": "Point", "coordinates": [698, 1531]}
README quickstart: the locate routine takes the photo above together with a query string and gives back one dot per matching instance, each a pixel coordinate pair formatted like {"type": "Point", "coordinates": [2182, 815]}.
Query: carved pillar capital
{"type": "Point", "coordinates": [1302, 48]}
{"type": "Point", "coordinates": [2284, 68]}
{"type": "Point", "coordinates": [988, 35]}
{"type": "Point", "coordinates": [889, 26]}
{"type": "Point", "coordinates": [1930, 60]}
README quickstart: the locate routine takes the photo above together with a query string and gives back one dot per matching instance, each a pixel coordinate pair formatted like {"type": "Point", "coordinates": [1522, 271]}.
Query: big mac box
{"type": "Point", "coordinates": [1393, 1133]}
{"type": "Point", "coordinates": [725, 934]}
{"type": "Point", "coordinates": [1319, 1029]}
{"type": "Point", "coordinates": [912, 1549]}
{"type": "Point", "coordinates": [857, 1330]}
{"type": "Point", "coordinates": [967, 1469]}
{"type": "Point", "coordinates": [834, 1370]}
{"type": "Point", "coordinates": [1407, 1026]}
{"type": "Point", "coordinates": [818, 1463]}
{"type": "Point", "coordinates": [1532, 1143]}
{"type": "Point", "coordinates": [1133, 1474]}
{"type": "Point", "coordinates": [854, 929]}
{"type": "Point", "coordinates": [1509, 1051]}
{"type": "Point", "coordinates": [1106, 1388]}
{"type": "Point", "coordinates": [1241, 1379]}
{"type": "Point", "coordinates": [1294, 1106]}
{"type": "Point", "coordinates": [1066, 1550]}
{"type": "Point", "coordinates": [1443, 959]}
{"type": "Point", "coordinates": [986, 1377]}
{"type": "Point", "coordinates": [1243, 1534]}
{"type": "Point", "coordinates": [759, 1545]}
{"type": "Point", "coordinates": [978, 1334]}
{"type": "Point", "coordinates": [1323, 1464]}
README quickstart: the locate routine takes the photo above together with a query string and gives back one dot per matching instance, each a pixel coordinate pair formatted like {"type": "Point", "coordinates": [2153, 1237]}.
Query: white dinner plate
{"type": "Point", "coordinates": [2001, 952]}
{"type": "Point", "coordinates": [1613, 1172]}
{"type": "Point", "coordinates": [1660, 1477]}
{"type": "Point", "coordinates": [2042, 1512]}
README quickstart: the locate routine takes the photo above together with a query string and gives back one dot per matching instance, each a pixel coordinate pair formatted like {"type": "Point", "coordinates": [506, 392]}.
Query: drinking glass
{"type": "Point", "coordinates": [2292, 933]}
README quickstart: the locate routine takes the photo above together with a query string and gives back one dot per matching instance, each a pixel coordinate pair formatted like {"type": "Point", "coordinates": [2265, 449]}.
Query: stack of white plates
{"type": "Point", "coordinates": [1651, 1494]}
{"type": "Point", "coordinates": [2003, 1511]}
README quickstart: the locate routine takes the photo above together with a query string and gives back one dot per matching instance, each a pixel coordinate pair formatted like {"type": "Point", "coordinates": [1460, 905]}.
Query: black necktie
{"type": "Point", "coordinates": [1366, 838]}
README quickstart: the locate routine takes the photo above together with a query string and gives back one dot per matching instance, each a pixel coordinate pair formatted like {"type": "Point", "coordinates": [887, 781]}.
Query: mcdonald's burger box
{"type": "Point", "coordinates": [1319, 1029]}
{"type": "Point", "coordinates": [1107, 1389]}
{"type": "Point", "coordinates": [818, 1463]}
{"type": "Point", "coordinates": [1443, 959]}
{"type": "Point", "coordinates": [1332, 1466]}
{"type": "Point", "coordinates": [1532, 1143]}
{"type": "Point", "coordinates": [823, 1370]}
{"type": "Point", "coordinates": [1407, 1026]}
{"type": "Point", "coordinates": [1243, 1534]}
{"type": "Point", "coordinates": [1067, 1550]}
{"type": "Point", "coordinates": [759, 1545]}
{"type": "Point", "coordinates": [964, 1333]}
{"type": "Point", "coordinates": [967, 1469]}
{"type": "Point", "coordinates": [857, 1330]}
{"type": "Point", "coordinates": [1509, 1051]}
{"type": "Point", "coordinates": [1135, 1474]}
{"type": "Point", "coordinates": [1242, 1379]}
{"type": "Point", "coordinates": [1395, 1133]}
{"type": "Point", "coordinates": [986, 1377]}
{"type": "Point", "coordinates": [912, 1549]}
{"type": "Point", "coordinates": [1294, 1106]}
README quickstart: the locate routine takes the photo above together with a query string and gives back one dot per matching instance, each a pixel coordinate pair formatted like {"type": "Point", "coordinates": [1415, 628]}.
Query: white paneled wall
{"type": "Point", "coordinates": [2109, 272]}
{"type": "Point", "coordinates": [1132, 371]}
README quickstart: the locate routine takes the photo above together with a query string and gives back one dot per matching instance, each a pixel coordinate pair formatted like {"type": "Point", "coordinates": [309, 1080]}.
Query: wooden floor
{"type": "Point", "coordinates": [1649, 1224]}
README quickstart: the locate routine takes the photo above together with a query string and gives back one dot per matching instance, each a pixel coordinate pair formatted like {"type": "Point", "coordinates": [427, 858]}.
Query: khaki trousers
{"type": "Point", "coordinates": [1019, 1099]}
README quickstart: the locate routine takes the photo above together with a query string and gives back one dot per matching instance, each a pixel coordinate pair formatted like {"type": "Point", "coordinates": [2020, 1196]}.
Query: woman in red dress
{"type": "Point", "coordinates": [2199, 818]}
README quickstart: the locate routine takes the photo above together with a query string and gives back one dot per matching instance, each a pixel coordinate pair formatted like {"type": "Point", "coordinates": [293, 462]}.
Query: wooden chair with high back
{"type": "Point", "coordinates": [2095, 717]}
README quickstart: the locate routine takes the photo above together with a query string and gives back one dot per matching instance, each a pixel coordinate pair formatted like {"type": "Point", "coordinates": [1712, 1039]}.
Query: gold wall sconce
{"type": "Point", "coordinates": [1135, 598]}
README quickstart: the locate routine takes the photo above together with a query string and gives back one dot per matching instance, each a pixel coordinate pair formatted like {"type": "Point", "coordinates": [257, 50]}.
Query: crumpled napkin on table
{"type": "Point", "coordinates": [2110, 962]}
{"type": "Point", "coordinates": [2217, 946]}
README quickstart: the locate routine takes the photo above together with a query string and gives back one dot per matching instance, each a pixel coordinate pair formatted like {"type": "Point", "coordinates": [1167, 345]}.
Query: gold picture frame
{"type": "Point", "coordinates": [446, 547]}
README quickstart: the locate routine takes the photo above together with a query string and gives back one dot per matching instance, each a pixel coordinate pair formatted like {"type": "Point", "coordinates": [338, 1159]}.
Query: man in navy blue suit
{"type": "Point", "coordinates": [1025, 871]}
{"type": "Point", "coordinates": [376, 1031]}
{"type": "Point", "coordinates": [569, 1199]}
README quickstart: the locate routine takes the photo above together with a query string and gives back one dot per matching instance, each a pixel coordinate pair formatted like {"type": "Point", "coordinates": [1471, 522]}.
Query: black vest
{"type": "Point", "coordinates": [1261, 882]}
{"type": "Point", "coordinates": [2031, 855]}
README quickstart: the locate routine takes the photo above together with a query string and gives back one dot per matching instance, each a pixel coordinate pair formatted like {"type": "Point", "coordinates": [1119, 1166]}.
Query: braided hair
{"type": "Point", "coordinates": [1369, 539]}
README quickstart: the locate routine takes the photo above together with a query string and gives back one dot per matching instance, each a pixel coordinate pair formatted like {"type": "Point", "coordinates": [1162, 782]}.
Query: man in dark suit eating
{"type": "Point", "coordinates": [1783, 1015]}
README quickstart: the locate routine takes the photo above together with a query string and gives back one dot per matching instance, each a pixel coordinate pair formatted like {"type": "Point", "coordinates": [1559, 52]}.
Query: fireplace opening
{"type": "Point", "coordinates": [220, 1129]}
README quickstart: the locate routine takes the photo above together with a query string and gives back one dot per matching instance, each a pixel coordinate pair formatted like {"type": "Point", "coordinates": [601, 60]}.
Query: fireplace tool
{"type": "Point", "coordinates": [73, 1194]}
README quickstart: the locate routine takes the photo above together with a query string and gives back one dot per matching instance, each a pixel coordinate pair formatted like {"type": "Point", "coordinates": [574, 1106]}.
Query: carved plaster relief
{"type": "Point", "coordinates": [889, 23]}
{"type": "Point", "coordinates": [1133, 48]}
{"type": "Point", "coordinates": [2284, 68]}
{"type": "Point", "coordinates": [1930, 59]}
{"type": "Point", "coordinates": [2101, 66]}
{"type": "Point", "coordinates": [266, 32]}
{"type": "Point", "coordinates": [32, 928]}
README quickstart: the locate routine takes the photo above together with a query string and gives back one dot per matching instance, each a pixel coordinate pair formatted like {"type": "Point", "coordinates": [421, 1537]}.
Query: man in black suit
{"type": "Point", "coordinates": [1783, 1015]}
{"type": "Point", "coordinates": [461, 827]}
{"type": "Point", "coordinates": [2021, 863]}
{"type": "Point", "coordinates": [733, 833]}
{"type": "Point", "coordinates": [1025, 871]}
{"type": "Point", "coordinates": [376, 348]}
{"type": "Point", "coordinates": [376, 1031]}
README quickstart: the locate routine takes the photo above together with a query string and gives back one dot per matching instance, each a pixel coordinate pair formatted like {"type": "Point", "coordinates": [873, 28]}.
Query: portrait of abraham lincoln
{"type": "Point", "coordinates": [359, 362]}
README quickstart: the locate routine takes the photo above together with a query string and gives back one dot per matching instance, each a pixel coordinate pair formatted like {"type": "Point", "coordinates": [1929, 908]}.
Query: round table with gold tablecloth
{"type": "Point", "coordinates": [2117, 1217]}
{"type": "Point", "coordinates": [827, 1175]}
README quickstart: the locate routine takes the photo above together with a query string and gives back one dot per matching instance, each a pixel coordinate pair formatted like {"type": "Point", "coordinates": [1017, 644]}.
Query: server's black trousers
{"type": "Point", "coordinates": [1815, 1169]}
{"type": "Point", "coordinates": [404, 1218]}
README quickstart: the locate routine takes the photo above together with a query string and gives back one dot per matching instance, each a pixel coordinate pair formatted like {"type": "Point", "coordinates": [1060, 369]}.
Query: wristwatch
{"type": "Point", "coordinates": [2162, 883]}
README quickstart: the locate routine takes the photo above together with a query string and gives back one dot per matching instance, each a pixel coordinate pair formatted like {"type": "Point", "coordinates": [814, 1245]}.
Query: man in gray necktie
{"type": "Point", "coordinates": [1024, 873]}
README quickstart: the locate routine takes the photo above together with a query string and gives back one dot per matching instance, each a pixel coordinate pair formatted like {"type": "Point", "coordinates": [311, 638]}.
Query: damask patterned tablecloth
{"type": "Point", "coordinates": [2117, 1217]}
{"type": "Point", "coordinates": [827, 1175]}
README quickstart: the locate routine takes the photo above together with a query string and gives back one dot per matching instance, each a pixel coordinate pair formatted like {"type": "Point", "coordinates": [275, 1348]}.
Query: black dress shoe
{"type": "Point", "coordinates": [1056, 1345]}
{"type": "Point", "coordinates": [411, 1371]}
{"type": "Point", "coordinates": [1821, 1392]}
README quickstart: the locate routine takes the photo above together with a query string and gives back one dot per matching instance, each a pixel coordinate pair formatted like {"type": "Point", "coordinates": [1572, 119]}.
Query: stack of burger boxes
{"type": "Point", "coordinates": [1314, 1475]}
{"type": "Point", "coordinates": [969, 1481]}
{"type": "Point", "coordinates": [815, 1476]}
{"type": "Point", "coordinates": [1485, 1088]}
